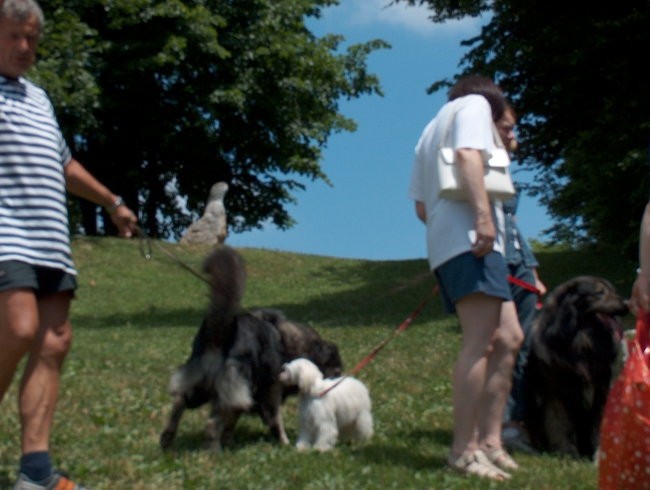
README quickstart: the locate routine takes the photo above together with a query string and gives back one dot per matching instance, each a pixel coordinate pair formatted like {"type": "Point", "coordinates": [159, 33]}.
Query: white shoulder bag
{"type": "Point", "coordinates": [498, 182]}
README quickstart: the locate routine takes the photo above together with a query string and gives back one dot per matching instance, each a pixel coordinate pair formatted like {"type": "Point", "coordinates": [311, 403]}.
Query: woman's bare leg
{"type": "Point", "coordinates": [479, 317]}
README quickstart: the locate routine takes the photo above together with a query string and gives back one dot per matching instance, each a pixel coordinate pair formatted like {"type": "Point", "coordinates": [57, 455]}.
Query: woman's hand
{"type": "Point", "coordinates": [485, 236]}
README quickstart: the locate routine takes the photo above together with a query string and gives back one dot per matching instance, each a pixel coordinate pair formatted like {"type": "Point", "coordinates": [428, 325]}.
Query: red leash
{"type": "Point", "coordinates": [405, 324]}
{"type": "Point", "coordinates": [373, 353]}
{"type": "Point", "coordinates": [528, 286]}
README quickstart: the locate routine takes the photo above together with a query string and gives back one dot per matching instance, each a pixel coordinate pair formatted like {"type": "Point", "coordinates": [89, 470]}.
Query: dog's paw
{"type": "Point", "coordinates": [323, 447]}
{"type": "Point", "coordinates": [214, 446]}
{"type": "Point", "coordinates": [302, 446]}
{"type": "Point", "coordinates": [166, 438]}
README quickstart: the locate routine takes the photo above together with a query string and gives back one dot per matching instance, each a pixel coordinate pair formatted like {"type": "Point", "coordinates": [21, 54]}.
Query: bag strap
{"type": "Point", "coordinates": [444, 143]}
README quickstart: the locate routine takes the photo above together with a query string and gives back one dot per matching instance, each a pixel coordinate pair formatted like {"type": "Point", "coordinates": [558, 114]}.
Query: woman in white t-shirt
{"type": "Point", "coordinates": [465, 244]}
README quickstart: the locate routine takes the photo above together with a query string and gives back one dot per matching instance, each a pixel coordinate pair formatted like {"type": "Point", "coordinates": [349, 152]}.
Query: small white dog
{"type": "Point", "coordinates": [343, 412]}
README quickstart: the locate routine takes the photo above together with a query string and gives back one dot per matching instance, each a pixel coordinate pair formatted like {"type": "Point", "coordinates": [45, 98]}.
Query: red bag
{"type": "Point", "coordinates": [624, 455]}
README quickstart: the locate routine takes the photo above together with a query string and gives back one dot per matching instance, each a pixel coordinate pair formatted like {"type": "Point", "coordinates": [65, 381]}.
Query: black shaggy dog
{"type": "Point", "coordinates": [237, 356]}
{"type": "Point", "coordinates": [301, 340]}
{"type": "Point", "coordinates": [574, 344]}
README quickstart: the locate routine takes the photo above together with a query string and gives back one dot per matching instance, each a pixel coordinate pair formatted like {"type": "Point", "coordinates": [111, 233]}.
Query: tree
{"type": "Point", "coordinates": [575, 76]}
{"type": "Point", "coordinates": [162, 98]}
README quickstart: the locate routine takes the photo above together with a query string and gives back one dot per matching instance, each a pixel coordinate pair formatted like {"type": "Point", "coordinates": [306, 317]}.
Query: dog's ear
{"type": "Point", "coordinates": [559, 310]}
{"type": "Point", "coordinates": [561, 293]}
{"type": "Point", "coordinates": [308, 376]}
{"type": "Point", "coordinates": [326, 356]}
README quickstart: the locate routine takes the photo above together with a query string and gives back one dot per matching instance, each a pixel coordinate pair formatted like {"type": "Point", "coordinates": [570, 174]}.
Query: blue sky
{"type": "Point", "coordinates": [366, 213]}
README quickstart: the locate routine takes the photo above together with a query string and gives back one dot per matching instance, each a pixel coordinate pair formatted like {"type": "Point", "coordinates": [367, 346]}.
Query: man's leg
{"type": "Point", "coordinates": [40, 384]}
{"type": "Point", "coordinates": [18, 327]}
{"type": "Point", "coordinates": [39, 393]}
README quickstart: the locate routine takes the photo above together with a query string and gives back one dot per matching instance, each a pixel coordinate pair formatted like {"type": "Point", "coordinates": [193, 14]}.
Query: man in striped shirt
{"type": "Point", "coordinates": [37, 274]}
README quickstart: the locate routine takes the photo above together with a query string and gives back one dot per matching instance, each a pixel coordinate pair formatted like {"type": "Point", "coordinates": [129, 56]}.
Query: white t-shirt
{"type": "Point", "coordinates": [450, 223]}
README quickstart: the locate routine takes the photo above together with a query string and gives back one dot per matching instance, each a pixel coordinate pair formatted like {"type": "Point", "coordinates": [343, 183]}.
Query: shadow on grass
{"type": "Point", "coordinates": [408, 455]}
{"type": "Point", "coordinates": [388, 293]}
{"type": "Point", "coordinates": [244, 435]}
{"type": "Point", "coordinates": [154, 317]}
{"type": "Point", "coordinates": [383, 292]}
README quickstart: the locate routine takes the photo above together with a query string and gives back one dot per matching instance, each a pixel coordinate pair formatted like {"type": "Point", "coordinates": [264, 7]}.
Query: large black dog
{"type": "Point", "coordinates": [575, 342]}
{"type": "Point", "coordinates": [237, 356]}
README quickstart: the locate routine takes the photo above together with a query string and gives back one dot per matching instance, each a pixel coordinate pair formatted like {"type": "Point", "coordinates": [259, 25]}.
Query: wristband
{"type": "Point", "coordinates": [118, 202]}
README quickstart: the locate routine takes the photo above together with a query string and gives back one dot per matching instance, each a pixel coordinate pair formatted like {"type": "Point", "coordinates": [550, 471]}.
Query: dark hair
{"type": "Point", "coordinates": [480, 85]}
{"type": "Point", "coordinates": [508, 107]}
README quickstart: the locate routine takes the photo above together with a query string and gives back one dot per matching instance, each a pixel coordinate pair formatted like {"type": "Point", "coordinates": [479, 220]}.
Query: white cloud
{"type": "Point", "coordinates": [414, 19]}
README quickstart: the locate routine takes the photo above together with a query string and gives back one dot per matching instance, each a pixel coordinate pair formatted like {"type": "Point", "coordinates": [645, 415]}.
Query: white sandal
{"type": "Point", "coordinates": [477, 463]}
{"type": "Point", "coordinates": [501, 459]}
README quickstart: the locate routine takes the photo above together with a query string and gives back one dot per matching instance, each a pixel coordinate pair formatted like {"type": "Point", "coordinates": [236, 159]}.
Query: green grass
{"type": "Point", "coordinates": [134, 320]}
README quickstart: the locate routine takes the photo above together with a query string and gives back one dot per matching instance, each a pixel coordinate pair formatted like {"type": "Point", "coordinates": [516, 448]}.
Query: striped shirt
{"type": "Point", "coordinates": [33, 153]}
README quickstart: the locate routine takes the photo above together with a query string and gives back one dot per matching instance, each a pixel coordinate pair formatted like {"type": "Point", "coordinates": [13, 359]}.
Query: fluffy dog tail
{"type": "Point", "coordinates": [227, 272]}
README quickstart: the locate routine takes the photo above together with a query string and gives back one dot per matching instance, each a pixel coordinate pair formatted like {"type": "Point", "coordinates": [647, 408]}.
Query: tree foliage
{"type": "Point", "coordinates": [575, 74]}
{"type": "Point", "coordinates": [162, 98]}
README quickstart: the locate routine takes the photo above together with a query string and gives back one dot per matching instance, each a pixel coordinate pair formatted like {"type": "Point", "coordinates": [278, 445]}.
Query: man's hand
{"type": "Point", "coordinates": [125, 220]}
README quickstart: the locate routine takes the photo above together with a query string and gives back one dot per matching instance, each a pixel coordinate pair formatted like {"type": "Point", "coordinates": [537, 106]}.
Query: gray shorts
{"type": "Point", "coordinates": [466, 274]}
{"type": "Point", "coordinates": [43, 280]}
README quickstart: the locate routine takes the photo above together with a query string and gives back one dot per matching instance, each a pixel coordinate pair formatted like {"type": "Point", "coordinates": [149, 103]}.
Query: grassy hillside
{"type": "Point", "coordinates": [135, 318]}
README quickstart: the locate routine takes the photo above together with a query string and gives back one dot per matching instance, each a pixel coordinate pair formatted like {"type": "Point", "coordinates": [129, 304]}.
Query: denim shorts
{"type": "Point", "coordinates": [43, 280]}
{"type": "Point", "coordinates": [466, 274]}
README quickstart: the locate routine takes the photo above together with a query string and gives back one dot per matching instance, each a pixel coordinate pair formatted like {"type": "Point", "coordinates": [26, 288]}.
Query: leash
{"type": "Point", "coordinates": [529, 287]}
{"type": "Point", "coordinates": [373, 353]}
{"type": "Point", "coordinates": [145, 249]}
{"type": "Point", "coordinates": [405, 324]}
